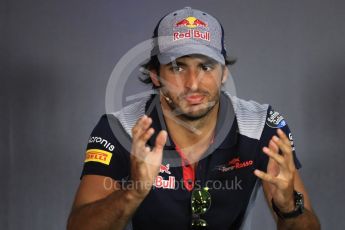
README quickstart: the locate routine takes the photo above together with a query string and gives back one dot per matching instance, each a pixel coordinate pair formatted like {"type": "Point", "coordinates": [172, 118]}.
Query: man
{"type": "Point", "coordinates": [197, 155]}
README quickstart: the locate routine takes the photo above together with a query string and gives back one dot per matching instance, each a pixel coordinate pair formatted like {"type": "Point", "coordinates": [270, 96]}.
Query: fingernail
{"type": "Point", "coordinates": [264, 149]}
{"type": "Point", "coordinates": [275, 138]}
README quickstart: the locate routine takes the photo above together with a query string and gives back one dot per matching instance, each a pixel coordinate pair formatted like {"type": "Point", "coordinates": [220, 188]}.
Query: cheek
{"type": "Point", "coordinates": [211, 83]}
{"type": "Point", "coordinates": [171, 89]}
{"type": "Point", "coordinates": [172, 84]}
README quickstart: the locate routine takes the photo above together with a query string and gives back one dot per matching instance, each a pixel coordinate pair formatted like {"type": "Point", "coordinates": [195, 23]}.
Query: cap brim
{"type": "Point", "coordinates": [188, 49]}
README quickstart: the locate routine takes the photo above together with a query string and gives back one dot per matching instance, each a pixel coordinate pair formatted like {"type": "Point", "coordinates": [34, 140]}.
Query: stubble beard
{"type": "Point", "coordinates": [191, 115]}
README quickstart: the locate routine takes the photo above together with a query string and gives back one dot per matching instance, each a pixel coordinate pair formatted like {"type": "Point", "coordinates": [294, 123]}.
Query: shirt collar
{"type": "Point", "coordinates": [226, 127]}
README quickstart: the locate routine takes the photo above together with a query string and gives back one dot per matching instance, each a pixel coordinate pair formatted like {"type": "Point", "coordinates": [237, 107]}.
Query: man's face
{"type": "Point", "coordinates": [192, 84]}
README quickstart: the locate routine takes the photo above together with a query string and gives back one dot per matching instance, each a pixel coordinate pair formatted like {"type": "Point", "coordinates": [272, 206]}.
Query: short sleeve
{"type": "Point", "coordinates": [104, 155]}
{"type": "Point", "coordinates": [274, 121]}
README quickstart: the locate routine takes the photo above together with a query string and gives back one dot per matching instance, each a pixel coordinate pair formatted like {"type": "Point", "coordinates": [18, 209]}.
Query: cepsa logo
{"type": "Point", "coordinates": [191, 23]}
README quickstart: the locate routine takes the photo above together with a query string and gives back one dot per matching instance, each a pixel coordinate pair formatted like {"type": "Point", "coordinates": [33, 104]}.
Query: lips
{"type": "Point", "coordinates": [195, 99]}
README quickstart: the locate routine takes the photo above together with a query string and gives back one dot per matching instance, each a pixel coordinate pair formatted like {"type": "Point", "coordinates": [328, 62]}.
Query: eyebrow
{"type": "Point", "coordinates": [177, 63]}
{"type": "Point", "coordinates": [181, 63]}
{"type": "Point", "coordinates": [210, 62]}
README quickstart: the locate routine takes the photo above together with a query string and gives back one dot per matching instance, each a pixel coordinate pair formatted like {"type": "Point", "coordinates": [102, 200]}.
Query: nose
{"type": "Point", "coordinates": [193, 79]}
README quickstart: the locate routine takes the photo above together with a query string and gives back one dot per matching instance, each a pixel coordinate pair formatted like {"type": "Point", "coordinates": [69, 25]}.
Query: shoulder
{"type": "Point", "coordinates": [250, 115]}
{"type": "Point", "coordinates": [114, 125]}
{"type": "Point", "coordinates": [128, 115]}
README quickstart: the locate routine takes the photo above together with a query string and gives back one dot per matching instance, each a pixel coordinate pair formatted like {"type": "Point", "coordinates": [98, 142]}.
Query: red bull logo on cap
{"type": "Point", "coordinates": [191, 22]}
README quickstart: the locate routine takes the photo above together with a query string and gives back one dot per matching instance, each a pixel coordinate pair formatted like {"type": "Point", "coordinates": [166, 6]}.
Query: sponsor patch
{"type": "Point", "coordinates": [105, 143]}
{"type": "Point", "coordinates": [196, 34]}
{"type": "Point", "coordinates": [234, 164]}
{"type": "Point", "coordinates": [192, 24]}
{"type": "Point", "coordinates": [275, 120]}
{"type": "Point", "coordinates": [165, 184]}
{"type": "Point", "coordinates": [98, 155]}
{"type": "Point", "coordinates": [291, 141]}
{"type": "Point", "coordinates": [165, 169]}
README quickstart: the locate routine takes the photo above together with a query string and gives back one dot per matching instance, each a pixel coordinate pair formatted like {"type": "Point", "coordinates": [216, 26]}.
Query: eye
{"type": "Point", "coordinates": [207, 68]}
{"type": "Point", "coordinates": [176, 68]}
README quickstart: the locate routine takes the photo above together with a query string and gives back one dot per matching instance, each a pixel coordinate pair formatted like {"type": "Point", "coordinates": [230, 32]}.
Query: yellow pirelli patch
{"type": "Point", "coordinates": [98, 155]}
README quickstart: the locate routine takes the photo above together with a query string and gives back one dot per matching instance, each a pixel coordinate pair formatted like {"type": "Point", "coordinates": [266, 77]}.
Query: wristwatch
{"type": "Point", "coordinates": [299, 207]}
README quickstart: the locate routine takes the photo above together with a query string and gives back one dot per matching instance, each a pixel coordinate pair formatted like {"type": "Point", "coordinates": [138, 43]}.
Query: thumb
{"type": "Point", "coordinates": [160, 142]}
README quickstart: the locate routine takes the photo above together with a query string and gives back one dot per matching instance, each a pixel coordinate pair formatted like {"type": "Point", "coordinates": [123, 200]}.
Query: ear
{"type": "Point", "coordinates": [154, 78]}
{"type": "Point", "coordinates": [225, 74]}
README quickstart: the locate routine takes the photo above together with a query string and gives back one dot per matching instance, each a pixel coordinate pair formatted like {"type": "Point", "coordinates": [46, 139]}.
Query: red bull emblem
{"type": "Point", "coordinates": [191, 22]}
{"type": "Point", "coordinates": [165, 169]}
{"type": "Point", "coordinates": [183, 22]}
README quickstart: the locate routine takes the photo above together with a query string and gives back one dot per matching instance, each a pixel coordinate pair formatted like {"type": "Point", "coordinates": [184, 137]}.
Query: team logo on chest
{"type": "Point", "coordinates": [165, 169]}
{"type": "Point", "coordinates": [160, 182]}
{"type": "Point", "coordinates": [234, 164]}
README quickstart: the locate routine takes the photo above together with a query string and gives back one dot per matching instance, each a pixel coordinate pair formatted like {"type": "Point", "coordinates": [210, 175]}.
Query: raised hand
{"type": "Point", "coordinates": [280, 171]}
{"type": "Point", "coordinates": [145, 162]}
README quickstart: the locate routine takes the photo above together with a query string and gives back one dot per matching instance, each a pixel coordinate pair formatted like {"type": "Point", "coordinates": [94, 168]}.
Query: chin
{"type": "Point", "coordinates": [195, 114]}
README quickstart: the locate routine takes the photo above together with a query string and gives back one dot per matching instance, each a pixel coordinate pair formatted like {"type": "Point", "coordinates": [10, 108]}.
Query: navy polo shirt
{"type": "Point", "coordinates": [226, 168]}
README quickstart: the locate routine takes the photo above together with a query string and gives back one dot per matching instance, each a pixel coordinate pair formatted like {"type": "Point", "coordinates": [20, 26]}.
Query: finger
{"type": "Point", "coordinates": [285, 148]}
{"type": "Point", "coordinates": [283, 137]}
{"type": "Point", "coordinates": [136, 127]}
{"type": "Point", "coordinates": [141, 126]}
{"type": "Point", "coordinates": [160, 141]}
{"type": "Point", "coordinates": [273, 167]}
{"type": "Point", "coordinates": [266, 177]}
{"type": "Point", "coordinates": [146, 136]}
{"type": "Point", "coordinates": [273, 147]}
{"type": "Point", "coordinates": [274, 155]}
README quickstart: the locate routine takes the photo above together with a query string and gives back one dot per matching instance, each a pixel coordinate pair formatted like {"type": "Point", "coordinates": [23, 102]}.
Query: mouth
{"type": "Point", "coordinates": [194, 99]}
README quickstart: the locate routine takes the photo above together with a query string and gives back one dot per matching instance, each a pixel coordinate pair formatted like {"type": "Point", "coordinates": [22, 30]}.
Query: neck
{"type": "Point", "coordinates": [192, 136]}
